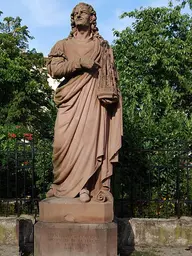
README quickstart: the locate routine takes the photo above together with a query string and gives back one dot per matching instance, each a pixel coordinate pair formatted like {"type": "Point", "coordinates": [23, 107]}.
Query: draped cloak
{"type": "Point", "coordinates": [87, 133]}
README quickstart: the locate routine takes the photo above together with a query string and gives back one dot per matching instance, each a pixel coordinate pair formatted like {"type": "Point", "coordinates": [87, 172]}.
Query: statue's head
{"type": "Point", "coordinates": [83, 14]}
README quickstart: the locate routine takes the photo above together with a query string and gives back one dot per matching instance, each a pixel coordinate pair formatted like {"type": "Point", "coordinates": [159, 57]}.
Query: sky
{"type": "Point", "coordinates": [49, 20]}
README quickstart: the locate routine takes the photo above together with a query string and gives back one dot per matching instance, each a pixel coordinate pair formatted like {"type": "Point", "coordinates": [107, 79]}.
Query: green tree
{"type": "Point", "coordinates": [25, 96]}
{"type": "Point", "coordinates": [27, 115]}
{"type": "Point", "coordinates": [154, 59]}
{"type": "Point", "coordinates": [185, 2]}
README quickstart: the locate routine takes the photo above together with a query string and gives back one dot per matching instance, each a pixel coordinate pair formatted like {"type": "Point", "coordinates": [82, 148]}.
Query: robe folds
{"type": "Point", "coordinates": [88, 132]}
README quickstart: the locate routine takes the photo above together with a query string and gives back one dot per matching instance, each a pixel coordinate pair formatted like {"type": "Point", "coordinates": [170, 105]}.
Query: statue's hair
{"type": "Point", "coordinates": [94, 29]}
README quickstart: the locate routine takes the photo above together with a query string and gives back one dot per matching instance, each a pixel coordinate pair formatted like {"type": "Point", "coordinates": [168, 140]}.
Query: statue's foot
{"type": "Point", "coordinates": [84, 196]}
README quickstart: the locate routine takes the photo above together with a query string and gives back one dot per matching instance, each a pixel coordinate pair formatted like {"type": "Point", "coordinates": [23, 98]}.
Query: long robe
{"type": "Point", "coordinates": [87, 133]}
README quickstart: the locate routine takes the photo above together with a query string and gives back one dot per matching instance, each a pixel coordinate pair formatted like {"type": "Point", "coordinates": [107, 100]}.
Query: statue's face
{"type": "Point", "coordinates": [82, 16]}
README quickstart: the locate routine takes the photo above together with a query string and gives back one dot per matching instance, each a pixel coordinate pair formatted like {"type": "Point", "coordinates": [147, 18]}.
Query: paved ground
{"type": "Point", "coordinates": [9, 250]}
{"type": "Point", "coordinates": [13, 251]}
{"type": "Point", "coordinates": [157, 252]}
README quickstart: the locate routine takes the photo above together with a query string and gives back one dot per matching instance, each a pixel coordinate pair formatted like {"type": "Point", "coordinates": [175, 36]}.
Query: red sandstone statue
{"type": "Point", "coordinates": [88, 127]}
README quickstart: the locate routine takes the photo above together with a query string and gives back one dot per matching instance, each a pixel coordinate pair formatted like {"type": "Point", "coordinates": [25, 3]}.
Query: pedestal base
{"type": "Point", "coordinates": [75, 239]}
{"type": "Point", "coordinates": [73, 210]}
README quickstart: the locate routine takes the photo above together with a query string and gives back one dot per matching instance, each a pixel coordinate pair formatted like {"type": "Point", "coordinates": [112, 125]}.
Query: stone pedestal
{"type": "Point", "coordinates": [75, 239]}
{"type": "Point", "coordinates": [68, 227]}
{"type": "Point", "coordinates": [73, 210]}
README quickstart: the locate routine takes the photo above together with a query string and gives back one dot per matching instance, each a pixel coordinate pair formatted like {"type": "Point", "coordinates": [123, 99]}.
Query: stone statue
{"type": "Point", "coordinates": [88, 127]}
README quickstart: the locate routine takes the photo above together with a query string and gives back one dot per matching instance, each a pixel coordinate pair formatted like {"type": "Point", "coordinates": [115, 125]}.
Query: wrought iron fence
{"type": "Point", "coordinates": [25, 173]}
{"type": "Point", "coordinates": [146, 183]}
{"type": "Point", "coordinates": [154, 182]}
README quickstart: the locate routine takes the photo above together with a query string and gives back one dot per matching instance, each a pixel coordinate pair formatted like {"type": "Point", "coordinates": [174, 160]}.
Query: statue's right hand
{"type": "Point", "coordinates": [89, 63]}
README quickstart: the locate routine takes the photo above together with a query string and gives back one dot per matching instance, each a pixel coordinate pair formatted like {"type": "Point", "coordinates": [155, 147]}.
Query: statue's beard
{"type": "Point", "coordinates": [83, 26]}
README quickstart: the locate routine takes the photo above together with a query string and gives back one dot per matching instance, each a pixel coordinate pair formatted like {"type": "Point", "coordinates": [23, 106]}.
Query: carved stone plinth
{"type": "Point", "coordinates": [69, 227]}
{"type": "Point", "coordinates": [73, 210]}
{"type": "Point", "coordinates": [72, 239]}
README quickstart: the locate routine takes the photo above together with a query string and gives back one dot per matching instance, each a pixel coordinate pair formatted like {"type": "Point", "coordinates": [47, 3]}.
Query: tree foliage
{"type": "Point", "coordinates": [154, 61]}
{"type": "Point", "coordinates": [185, 2]}
{"type": "Point", "coordinates": [27, 115]}
{"type": "Point", "coordinates": [25, 96]}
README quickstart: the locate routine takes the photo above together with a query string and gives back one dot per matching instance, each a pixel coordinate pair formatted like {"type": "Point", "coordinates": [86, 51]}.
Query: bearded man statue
{"type": "Point", "coordinates": [88, 126]}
